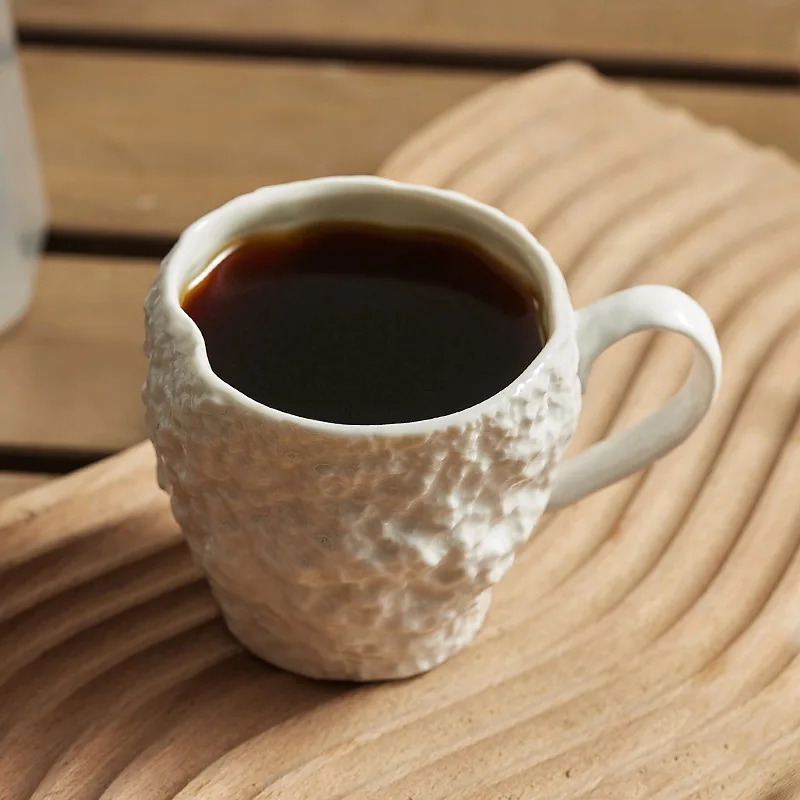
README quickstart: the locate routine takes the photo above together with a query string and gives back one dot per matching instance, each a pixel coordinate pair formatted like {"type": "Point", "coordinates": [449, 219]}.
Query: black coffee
{"type": "Point", "coordinates": [362, 324]}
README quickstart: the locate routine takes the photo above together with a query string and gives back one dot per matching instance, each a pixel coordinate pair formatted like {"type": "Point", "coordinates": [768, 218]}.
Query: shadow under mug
{"type": "Point", "coordinates": [368, 552]}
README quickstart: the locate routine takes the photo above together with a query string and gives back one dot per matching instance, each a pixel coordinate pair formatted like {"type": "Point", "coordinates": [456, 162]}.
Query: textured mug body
{"type": "Point", "coordinates": [347, 551]}
{"type": "Point", "coordinates": [369, 551]}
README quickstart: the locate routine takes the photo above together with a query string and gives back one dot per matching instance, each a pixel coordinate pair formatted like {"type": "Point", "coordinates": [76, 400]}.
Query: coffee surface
{"type": "Point", "coordinates": [360, 324]}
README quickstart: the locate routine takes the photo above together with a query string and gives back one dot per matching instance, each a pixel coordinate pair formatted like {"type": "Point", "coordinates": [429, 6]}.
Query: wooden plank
{"type": "Point", "coordinates": [14, 483]}
{"type": "Point", "coordinates": [73, 368]}
{"type": "Point", "coordinates": [645, 644]}
{"type": "Point", "coordinates": [145, 143]}
{"type": "Point", "coordinates": [743, 32]}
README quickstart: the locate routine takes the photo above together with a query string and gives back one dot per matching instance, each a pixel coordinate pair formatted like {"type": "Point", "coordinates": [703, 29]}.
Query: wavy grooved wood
{"type": "Point", "coordinates": [644, 645]}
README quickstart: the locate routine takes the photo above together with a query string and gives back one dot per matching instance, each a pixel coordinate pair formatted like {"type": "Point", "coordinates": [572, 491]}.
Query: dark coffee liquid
{"type": "Point", "coordinates": [361, 324]}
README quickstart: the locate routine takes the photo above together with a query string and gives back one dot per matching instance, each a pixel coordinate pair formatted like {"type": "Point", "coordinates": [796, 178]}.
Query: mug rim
{"type": "Point", "coordinates": [200, 243]}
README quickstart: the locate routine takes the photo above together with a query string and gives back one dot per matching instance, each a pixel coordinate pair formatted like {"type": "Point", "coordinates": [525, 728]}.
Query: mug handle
{"type": "Point", "coordinates": [605, 322]}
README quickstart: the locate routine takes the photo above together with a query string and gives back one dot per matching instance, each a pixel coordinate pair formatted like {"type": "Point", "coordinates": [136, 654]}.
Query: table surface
{"type": "Point", "coordinates": [150, 113]}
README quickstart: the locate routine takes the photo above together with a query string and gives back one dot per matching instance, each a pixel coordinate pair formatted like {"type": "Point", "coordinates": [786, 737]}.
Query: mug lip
{"type": "Point", "coordinates": [201, 242]}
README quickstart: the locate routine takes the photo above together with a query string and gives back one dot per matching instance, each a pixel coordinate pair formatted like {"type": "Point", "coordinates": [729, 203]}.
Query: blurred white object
{"type": "Point", "coordinates": [22, 209]}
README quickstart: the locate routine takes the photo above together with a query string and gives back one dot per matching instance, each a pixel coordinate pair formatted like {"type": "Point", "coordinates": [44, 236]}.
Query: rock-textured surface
{"type": "Point", "coordinates": [358, 556]}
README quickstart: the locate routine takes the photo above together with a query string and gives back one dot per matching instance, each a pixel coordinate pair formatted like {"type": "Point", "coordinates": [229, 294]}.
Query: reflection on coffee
{"type": "Point", "coordinates": [360, 324]}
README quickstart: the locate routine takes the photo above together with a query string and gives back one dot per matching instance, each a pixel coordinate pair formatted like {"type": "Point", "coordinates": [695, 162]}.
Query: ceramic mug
{"type": "Point", "coordinates": [369, 551]}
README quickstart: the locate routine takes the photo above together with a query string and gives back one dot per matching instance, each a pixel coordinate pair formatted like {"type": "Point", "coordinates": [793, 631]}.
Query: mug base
{"type": "Point", "coordinates": [388, 657]}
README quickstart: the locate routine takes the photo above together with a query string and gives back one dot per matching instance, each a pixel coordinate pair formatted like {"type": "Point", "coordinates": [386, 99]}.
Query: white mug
{"type": "Point", "coordinates": [368, 551]}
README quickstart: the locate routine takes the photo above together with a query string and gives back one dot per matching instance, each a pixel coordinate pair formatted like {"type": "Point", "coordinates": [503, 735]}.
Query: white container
{"type": "Point", "coordinates": [22, 208]}
{"type": "Point", "coordinates": [367, 552]}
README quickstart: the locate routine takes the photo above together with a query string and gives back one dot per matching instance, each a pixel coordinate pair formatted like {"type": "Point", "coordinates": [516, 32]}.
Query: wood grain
{"type": "Point", "coordinates": [73, 368]}
{"type": "Point", "coordinates": [730, 31]}
{"type": "Point", "coordinates": [145, 144]}
{"type": "Point", "coordinates": [13, 483]}
{"type": "Point", "coordinates": [646, 642]}
{"type": "Point", "coordinates": [765, 116]}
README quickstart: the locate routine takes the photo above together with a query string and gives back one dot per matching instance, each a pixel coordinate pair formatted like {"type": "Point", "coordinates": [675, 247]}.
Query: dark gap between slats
{"type": "Point", "coordinates": [407, 56]}
{"type": "Point", "coordinates": [54, 461]}
{"type": "Point", "coordinates": [101, 243]}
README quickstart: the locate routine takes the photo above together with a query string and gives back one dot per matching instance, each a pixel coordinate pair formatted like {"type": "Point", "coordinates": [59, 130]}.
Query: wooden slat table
{"type": "Point", "coordinates": [146, 143]}
{"type": "Point", "coordinates": [149, 113]}
{"type": "Point", "coordinates": [137, 145]}
{"type": "Point", "coordinates": [73, 369]}
{"type": "Point", "coordinates": [737, 32]}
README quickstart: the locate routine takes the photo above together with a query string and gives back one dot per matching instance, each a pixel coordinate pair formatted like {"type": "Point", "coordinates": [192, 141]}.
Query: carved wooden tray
{"type": "Point", "coordinates": [645, 644]}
